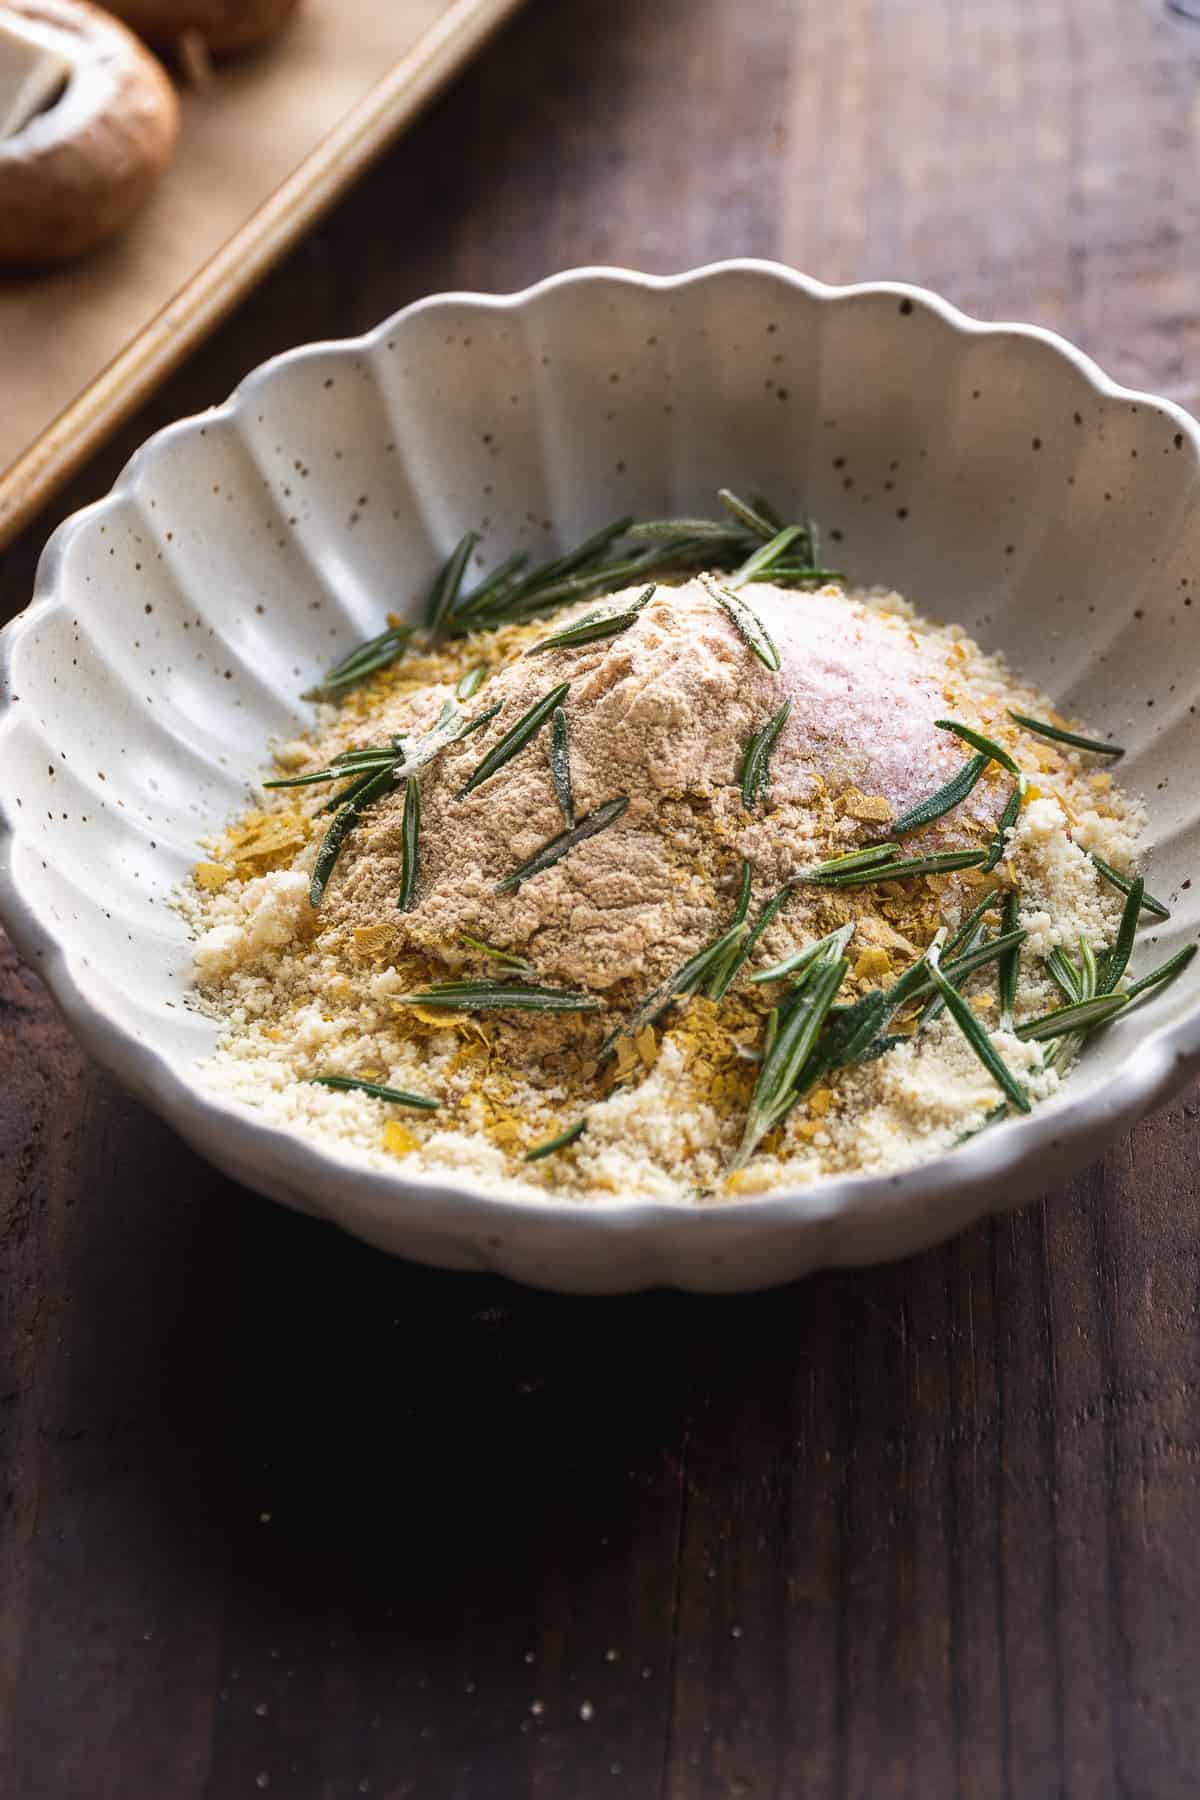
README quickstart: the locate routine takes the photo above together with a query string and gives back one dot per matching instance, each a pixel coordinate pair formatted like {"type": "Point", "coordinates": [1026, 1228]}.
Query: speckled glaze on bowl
{"type": "Point", "coordinates": [990, 472]}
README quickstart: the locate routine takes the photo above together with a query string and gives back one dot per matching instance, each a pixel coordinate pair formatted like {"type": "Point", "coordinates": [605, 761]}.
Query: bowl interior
{"type": "Point", "coordinates": [989, 474]}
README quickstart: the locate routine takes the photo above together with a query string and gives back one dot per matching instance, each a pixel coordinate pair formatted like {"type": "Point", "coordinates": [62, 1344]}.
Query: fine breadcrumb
{"type": "Point", "coordinates": [660, 714]}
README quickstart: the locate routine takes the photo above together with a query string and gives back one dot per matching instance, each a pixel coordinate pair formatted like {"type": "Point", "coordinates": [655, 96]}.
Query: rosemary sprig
{"type": "Point", "coordinates": [685, 980]}
{"type": "Point", "coordinates": [491, 996]}
{"type": "Point", "coordinates": [593, 627]}
{"type": "Point", "coordinates": [833, 945]}
{"type": "Point", "coordinates": [756, 767]}
{"type": "Point", "coordinates": [1125, 882]}
{"type": "Point", "coordinates": [514, 740]}
{"type": "Point", "coordinates": [940, 862]}
{"type": "Point", "coordinates": [791, 1045]}
{"type": "Point", "coordinates": [966, 929]}
{"type": "Point", "coordinates": [979, 955]}
{"type": "Point", "coordinates": [976, 1036]}
{"type": "Point", "coordinates": [1114, 962]}
{"type": "Point", "coordinates": [504, 957]}
{"type": "Point", "coordinates": [1058, 735]}
{"type": "Point", "coordinates": [492, 588]}
{"type": "Point", "coordinates": [760, 564]}
{"type": "Point", "coordinates": [564, 843]}
{"type": "Point", "coordinates": [343, 823]}
{"type": "Point", "coordinates": [571, 1135]}
{"type": "Point", "coordinates": [747, 624]}
{"type": "Point", "coordinates": [411, 866]}
{"type": "Point", "coordinates": [448, 586]}
{"type": "Point", "coordinates": [560, 764]}
{"type": "Point", "coordinates": [745, 949]}
{"type": "Point", "coordinates": [347, 1084]}
{"type": "Point", "coordinates": [945, 799]}
{"type": "Point", "coordinates": [369, 765]}
{"type": "Point", "coordinates": [1010, 966]}
{"type": "Point", "coordinates": [977, 741]}
{"type": "Point", "coordinates": [1174, 965]}
{"type": "Point", "coordinates": [471, 682]}
{"type": "Point", "coordinates": [1081, 1015]}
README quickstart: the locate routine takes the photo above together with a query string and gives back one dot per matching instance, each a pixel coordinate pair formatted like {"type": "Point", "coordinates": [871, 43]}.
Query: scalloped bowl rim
{"type": "Point", "coordinates": [1157, 1067]}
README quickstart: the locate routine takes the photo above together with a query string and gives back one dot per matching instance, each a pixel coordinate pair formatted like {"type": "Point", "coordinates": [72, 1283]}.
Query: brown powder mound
{"type": "Point", "coordinates": [662, 714]}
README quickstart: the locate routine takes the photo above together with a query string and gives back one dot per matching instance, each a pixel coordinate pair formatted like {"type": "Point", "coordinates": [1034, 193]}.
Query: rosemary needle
{"type": "Point", "coordinates": [448, 585]}
{"type": "Point", "coordinates": [491, 996]}
{"type": "Point", "coordinates": [343, 823]}
{"type": "Point", "coordinates": [1058, 735]}
{"type": "Point", "coordinates": [514, 740]}
{"type": "Point", "coordinates": [767, 554]}
{"type": "Point", "coordinates": [571, 1135]}
{"type": "Point", "coordinates": [856, 859]}
{"type": "Point", "coordinates": [833, 945]}
{"type": "Point", "coordinates": [347, 1084]}
{"type": "Point", "coordinates": [1174, 965]}
{"type": "Point", "coordinates": [977, 741]}
{"type": "Point", "coordinates": [747, 624]}
{"type": "Point", "coordinates": [791, 1045]}
{"type": "Point", "coordinates": [593, 627]}
{"type": "Point", "coordinates": [755, 522]}
{"type": "Point", "coordinates": [1007, 820]}
{"type": "Point", "coordinates": [1081, 1015]}
{"type": "Point", "coordinates": [1010, 967]}
{"type": "Point", "coordinates": [411, 866]}
{"type": "Point", "coordinates": [504, 957]}
{"type": "Point", "coordinates": [564, 843]}
{"type": "Point", "coordinates": [976, 1036]}
{"type": "Point", "coordinates": [471, 682]}
{"type": "Point", "coordinates": [947, 797]}
{"type": "Point", "coordinates": [756, 774]}
{"type": "Point", "coordinates": [560, 764]}
{"type": "Point", "coordinates": [1125, 882]}
{"type": "Point", "coordinates": [727, 965]}
{"type": "Point", "coordinates": [941, 862]}
{"type": "Point", "coordinates": [1115, 961]}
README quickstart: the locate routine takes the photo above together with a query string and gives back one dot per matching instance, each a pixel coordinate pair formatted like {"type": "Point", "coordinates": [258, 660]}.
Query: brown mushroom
{"type": "Point", "coordinates": [76, 173]}
{"type": "Point", "coordinates": [223, 25]}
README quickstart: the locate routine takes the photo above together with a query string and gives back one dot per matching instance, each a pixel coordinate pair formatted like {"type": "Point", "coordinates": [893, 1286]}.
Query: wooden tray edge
{"type": "Point", "coordinates": [216, 288]}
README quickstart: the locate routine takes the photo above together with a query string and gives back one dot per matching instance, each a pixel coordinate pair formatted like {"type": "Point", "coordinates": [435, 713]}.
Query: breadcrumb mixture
{"type": "Point", "coordinates": [661, 714]}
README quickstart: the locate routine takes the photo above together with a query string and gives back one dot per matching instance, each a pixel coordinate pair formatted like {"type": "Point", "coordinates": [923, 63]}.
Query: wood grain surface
{"type": "Point", "coordinates": [282, 1516]}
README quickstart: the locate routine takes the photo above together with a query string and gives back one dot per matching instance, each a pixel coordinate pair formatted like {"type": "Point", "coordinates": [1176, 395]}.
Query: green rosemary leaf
{"type": "Point", "coordinates": [492, 588]}
{"type": "Point", "coordinates": [849, 1036]}
{"type": "Point", "coordinates": [1174, 965]}
{"type": "Point", "coordinates": [1114, 962]}
{"type": "Point", "coordinates": [977, 941]}
{"type": "Point", "coordinates": [566, 841]}
{"type": "Point", "coordinates": [802, 575]}
{"type": "Point", "coordinates": [448, 586]}
{"type": "Point", "coordinates": [685, 980]}
{"type": "Point", "coordinates": [814, 541]}
{"type": "Point", "coordinates": [748, 943]}
{"type": "Point", "coordinates": [977, 1037]}
{"type": "Point", "coordinates": [756, 767]}
{"type": "Point", "coordinates": [940, 862]}
{"type": "Point", "coordinates": [593, 627]}
{"type": "Point", "coordinates": [723, 971]}
{"type": "Point", "coordinates": [747, 624]}
{"type": "Point", "coordinates": [965, 930]}
{"type": "Point", "coordinates": [375, 653]}
{"type": "Point", "coordinates": [571, 1135]}
{"type": "Point", "coordinates": [492, 996]}
{"type": "Point", "coordinates": [343, 823]}
{"type": "Point", "coordinates": [795, 964]}
{"type": "Point", "coordinates": [1066, 976]}
{"type": "Point", "coordinates": [1040, 728]}
{"type": "Point", "coordinates": [714, 530]}
{"type": "Point", "coordinates": [977, 741]}
{"type": "Point", "coordinates": [845, 865]}
{"type": "Point", "coordinates": [1082, 1015]}
{"type": "Point", "coordinates": [1007, 820]}
{"type": "Point", "coordinates": [471, 682]}
{"type": "Point", "coordinates": [514, 740]}
{"type": "Point", "coordinates": [760, 564]}
{"type": "Point", "coordinates": [1010, 966]}
{"type": "Point", "coordinates": [560, 764]}
{"type": "Point", "coordinates": [411, 868]}
{"type": "Point", "coordinates": [384, 760]}
{"type": "Point", "coordinates": [583, 553]}
{"type": "Point", "coordinates": [944, 800]}
{"type": "Point", "coordinates": [1089, 971]}
{"type": "Point", "coordinates": [348, 1084]}
{"type": "Point", "coordinates": [756, 522]}
{"type": "Point", "coordinates": [450, 727]}
{"type": "Point", "coordinates": [1125, 882]}
{"type": "Point", "coordinates": [982, 951]}
{"type": "Point", "coordinates": [771, 1033]}
{"type": "Point", "coordinates": [783, 1067]}
{"type": "Point", "coordinates": [504, 957]}
{"type": "Point", "coordinates": [353, 789]}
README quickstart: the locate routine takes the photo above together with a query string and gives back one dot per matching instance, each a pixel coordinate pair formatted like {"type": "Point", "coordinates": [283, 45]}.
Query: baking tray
{"type": "Point", "coordinates": [266, 147]}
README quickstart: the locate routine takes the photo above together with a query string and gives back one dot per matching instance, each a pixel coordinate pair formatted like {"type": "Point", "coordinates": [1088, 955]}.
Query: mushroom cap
{"type": "Point", "coordinates": [76, 173]}
{"type": "Point", "coordinates": [223, 24]}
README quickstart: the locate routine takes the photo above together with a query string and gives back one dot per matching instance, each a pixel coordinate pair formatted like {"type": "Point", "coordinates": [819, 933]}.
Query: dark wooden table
{"type": "Point", "coordinates": [280, 1515]}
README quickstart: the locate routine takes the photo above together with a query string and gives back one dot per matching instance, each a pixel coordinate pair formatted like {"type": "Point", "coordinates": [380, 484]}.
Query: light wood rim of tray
{"type": "Point", "coordinates": [242, 261]}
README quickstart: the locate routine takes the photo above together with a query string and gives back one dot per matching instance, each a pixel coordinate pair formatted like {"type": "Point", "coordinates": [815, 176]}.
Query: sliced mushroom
{"type": "Point", "coordinates": [77, 172]}
{"type": "Point", "coordinates": [222, 24]}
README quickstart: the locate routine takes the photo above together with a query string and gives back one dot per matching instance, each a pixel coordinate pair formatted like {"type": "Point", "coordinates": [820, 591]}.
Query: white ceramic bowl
{"type": "Point", "coordinates": [992, 473]}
